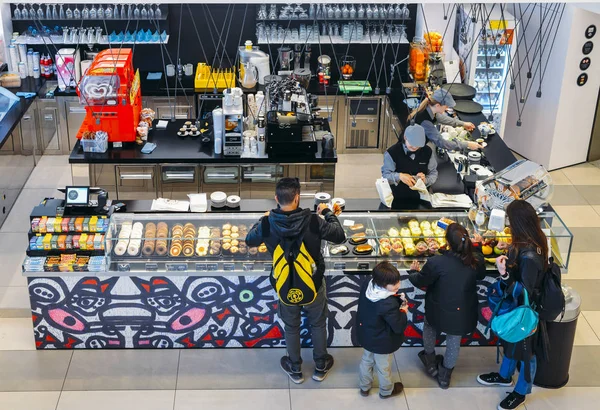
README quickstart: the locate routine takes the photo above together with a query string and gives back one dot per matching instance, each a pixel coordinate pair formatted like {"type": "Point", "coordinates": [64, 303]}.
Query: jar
{"type": "Point", "coordinates": [418, 61]}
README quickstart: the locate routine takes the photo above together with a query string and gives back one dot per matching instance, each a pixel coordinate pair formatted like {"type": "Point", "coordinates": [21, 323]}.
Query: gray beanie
{"type": "Point", "coordinates": [415, 135]}
{"type": "Point", "coordinates": [444, 97]}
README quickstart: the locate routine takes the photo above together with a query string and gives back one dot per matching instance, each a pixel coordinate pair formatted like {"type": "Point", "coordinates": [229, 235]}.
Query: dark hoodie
{"type": "Point", "coordinates": [279, 224]}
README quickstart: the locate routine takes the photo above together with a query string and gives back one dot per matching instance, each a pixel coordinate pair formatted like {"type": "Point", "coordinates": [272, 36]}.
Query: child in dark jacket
{"type": "Point", "coordinates": [381, 321]}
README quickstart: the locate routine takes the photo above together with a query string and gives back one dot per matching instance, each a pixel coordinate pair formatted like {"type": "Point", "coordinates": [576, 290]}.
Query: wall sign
{"type": "Point", "coordinates": [585, 63]}
{"type": "Point", "coordinates": [590, 31]}
{"type": "Point", "coordinates": [587, 47]}
{"type": "Point", "coordinates": [582, 79]}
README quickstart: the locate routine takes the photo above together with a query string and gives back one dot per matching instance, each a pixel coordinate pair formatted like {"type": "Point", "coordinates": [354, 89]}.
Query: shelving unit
{"type": "Point", "coordinates": [23, 40]}
{"type": "Point", "coordinates": [334, 40]}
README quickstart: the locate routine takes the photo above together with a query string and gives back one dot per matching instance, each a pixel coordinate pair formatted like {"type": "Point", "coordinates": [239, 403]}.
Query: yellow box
{"type": "Point", "coordinates": [58, 224]}
{"type": "Point", "coordinates": [209, 79]}
{"type": "Point", "coordinates": [47, 242]}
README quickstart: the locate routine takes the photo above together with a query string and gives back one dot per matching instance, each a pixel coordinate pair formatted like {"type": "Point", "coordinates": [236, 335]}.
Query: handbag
{"type": "Point", "coordinates": [518, 324]}
{"type": "Point", "coordinates": [501, 298]}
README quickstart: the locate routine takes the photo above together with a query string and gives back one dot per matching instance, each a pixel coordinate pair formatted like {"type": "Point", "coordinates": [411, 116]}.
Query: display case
{"type": "Point", "coordinates": [205, 243]}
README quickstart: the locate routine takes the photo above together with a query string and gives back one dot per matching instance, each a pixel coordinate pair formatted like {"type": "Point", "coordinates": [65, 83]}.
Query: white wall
{"type": "Point", "coordinates": [434, 21]}
{"type": "Point", "coordinates": [5, 31]}
{"type": "Point", "coordinates": [556, 128]}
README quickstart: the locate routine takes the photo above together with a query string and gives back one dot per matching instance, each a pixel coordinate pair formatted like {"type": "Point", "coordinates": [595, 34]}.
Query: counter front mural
{"type": "Point", "coordinates": [196, 312]}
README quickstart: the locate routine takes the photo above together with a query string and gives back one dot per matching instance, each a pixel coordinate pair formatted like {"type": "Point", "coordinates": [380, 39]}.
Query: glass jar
{"type": "Point", "coordinates": [418, 60]}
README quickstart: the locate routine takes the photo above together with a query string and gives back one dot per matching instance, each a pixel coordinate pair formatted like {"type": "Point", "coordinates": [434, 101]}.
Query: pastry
{"type": "Point", "coordinates": [133, 249]}
{"type": "Point", "coordinates": [363, 249]}
{"type": "Point", "coordinates": [234, 229]}
{"type": "Point", "coordinates": [188, 250]}
{"type": "Point", "coordinates": [148, 248]}
{"type": "Point", "coordinates": [253, 250]}
{"type": "Point", "coordinates": [175, 251]}
{"type": "Point", "coordinates": [121, 248]}
{"type": "Point", "coordinates": [243, 250]}
{"type": "Point", "coordinates": [227, 227]}
{"type": "Point", "coordinates": [357, 228]}
{"type": "Point", "coordinates": [235, 242]}
{"type": "Point", "coordinates": [226, 246]}
{"type": "Point", "coordinates": [235, 235]}
{"type": "Point", "coordinates": [412, 224]}
{"type": "Point", "coordinates": [161, 248]}
{"type": "Point", "coordinates": [358, 238]}
{"type": "Point", "coordinates": [262, 248]}
{"type": "Point", "coordinates": [234, 249]}
{"type": "Point", "coordinates": [339, 249]}
{"type": "Point", "coordinates": [226, 240]}
{"type": "Point", "coordinates": [226, 232]}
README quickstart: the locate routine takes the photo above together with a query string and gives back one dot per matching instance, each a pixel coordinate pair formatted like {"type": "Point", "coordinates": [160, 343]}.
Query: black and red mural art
{"type": "Point", "coordinates": [197, 312]}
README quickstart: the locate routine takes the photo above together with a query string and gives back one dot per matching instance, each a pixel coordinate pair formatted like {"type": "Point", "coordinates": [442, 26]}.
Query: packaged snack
{"type": "Point", "coordinates": [93, 224]}
{"type": "Point", "coordinates": [33, 243]}
{"type": "Point", "coordinates": [83, 241]}
{"type": "Point", "coordinates": [69, 242]}
{"type": "Point", "coordinates": [42, 226]}
{"type": "Point", "coordinates": [72, 224]}
{"type": "Point", "coordinates": [54, 242]}
{"type": "Point", "coordinates": [50, 225]}
{"type": "Point", "coordinates": [79, 224]}
{"type": "Point", "coordinates": [90, 243]}
{"type": "Point", "coordinates": [57, 224]}
{"type": "Point", "coordinates": [76, 241]}
{"type": "Point", "coordinates": [86, 224]}
{"type": "Point", "coordinates": [39, 243]}
{"type": "Point", "coordinates": [65, 225]}
{"type": "Point", "coordinates": [35, 225]}
{"type": "Point", "coordinates": [62, 239]}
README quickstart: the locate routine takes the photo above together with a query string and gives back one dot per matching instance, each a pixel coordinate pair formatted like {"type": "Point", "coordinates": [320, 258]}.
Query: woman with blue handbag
{"type": "Point", "coordinates": [526, 264]}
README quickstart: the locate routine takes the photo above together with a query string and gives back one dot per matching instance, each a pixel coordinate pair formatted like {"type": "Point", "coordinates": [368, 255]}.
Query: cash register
{"type": "Point", "coordinates": [84, 200]}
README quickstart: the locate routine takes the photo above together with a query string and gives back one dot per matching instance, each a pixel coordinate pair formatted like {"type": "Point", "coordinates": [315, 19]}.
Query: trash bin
{"type": "Point", "coordinates": [554, 373]}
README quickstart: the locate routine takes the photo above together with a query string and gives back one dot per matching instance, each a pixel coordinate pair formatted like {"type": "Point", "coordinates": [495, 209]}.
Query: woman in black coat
{"type": "Point", "coordinates": [527, 263]}
{"type": "Point", "coordinates": [451, 303]}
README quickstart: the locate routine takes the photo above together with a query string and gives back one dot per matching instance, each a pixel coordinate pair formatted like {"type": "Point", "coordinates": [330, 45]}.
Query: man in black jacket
{"type": "Point", "coordinates": [288, 220]}
{"type": "Point", "coordinates": [381, 321]}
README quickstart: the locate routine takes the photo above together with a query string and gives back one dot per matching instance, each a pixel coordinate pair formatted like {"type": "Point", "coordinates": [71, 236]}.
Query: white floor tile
{"type": "Point", "coordinates": [343, 399]}
{"type": "Point", "coordinates": [584, 174]}
{"type": "Point", "coordinates": [233, 399]}
{"type": "Point", "coordinates": [44, 176]}
{"type": "Point", "coordinates": [12, 254]}
{"type": "Point", "coordinates": [593, 318]}
{"type": "Point", "coordinates": [117, 400]}
{"type": "Point", "coordinates": [53, 160]}
{"type": "Point", "coordinates": [585, 335]}
{"type": "Point", "coordinates": [14, 302]}
{"type": "Point", "coordinates": [580, 398]}
{"type": "Point", "coordinates": [584, 265]}
{"type": "Point", "coordinates": [31, 400]}
{"type": "Point", "coordinates": [18, 219]}
{"type": "Point", "coordinates": [471, 398]}
{"type": "Point", "coordinates": [581, 216]}
{"type": "Point", "coordinates": [559, 178]}
{"type": "Point", "coordinates": [16, 334]}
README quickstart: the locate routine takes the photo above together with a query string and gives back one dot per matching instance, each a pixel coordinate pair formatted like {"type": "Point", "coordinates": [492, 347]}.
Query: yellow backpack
{"type": "Point", "coordinates": [293, 269]}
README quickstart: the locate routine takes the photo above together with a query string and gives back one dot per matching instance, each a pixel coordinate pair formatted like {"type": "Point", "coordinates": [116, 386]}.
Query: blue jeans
{"type": "Point", "coordinates": [507, 369]}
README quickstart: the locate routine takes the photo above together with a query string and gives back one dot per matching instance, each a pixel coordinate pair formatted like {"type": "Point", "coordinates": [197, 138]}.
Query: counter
{"type": "Point", "coordinates": [208, 302]}
{"type": "Point", "coordinates": [172, 148]}
{"type": "Point", "coordinates": [16, 112]}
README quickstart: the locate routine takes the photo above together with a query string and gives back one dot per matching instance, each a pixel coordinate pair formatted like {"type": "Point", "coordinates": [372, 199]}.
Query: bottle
{"type": "Point", "coordinates": [262, 145]}
{"type": "Point", "coordinates": [218, 124]}
{"type": "Point", "coordinates": [261, 104]}
{"type": "Point", "coordinates": [260, 127]}
{"type": "Point", "coordinates": [123, 12]}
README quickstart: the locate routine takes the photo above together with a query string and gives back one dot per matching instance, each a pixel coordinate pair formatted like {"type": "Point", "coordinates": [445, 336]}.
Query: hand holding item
{"type": "Point", "coordinates": [474, 146]}
{"type": "Point", "coordinates": [407, 179]}
{"type": "Point", "coordinates": [337, 209]}
{"type": "Point", "coordinates": [404, 306]}
{"type": "Point", "coordinates": [320, 208]}
{"type": "Point", "coordinates": [501, 266]}
{"type": "Point", "coordinates": [267, 213]}
{"type": "Point", "coordinates": [469, 126]}
{"type": "Point", "coordinates": [415, 266]}
{"type": "Point", "coordinates": [421, 176]}
{"type": "Point", "coordinates": [477, 238]}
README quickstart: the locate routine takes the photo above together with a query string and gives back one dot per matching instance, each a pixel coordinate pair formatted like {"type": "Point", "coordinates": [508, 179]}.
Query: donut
{"type": "Point", "coordinates": [175, 251]}
{"type": "Point", "coordinates": [235, 242]}
{"type": "Point", "coordinates": [161, 249]}
{"type": "Point", "coordinates": [120, 248]}
{"type": "Point", "coordinates": [226, 232]}
{"type": "Point", "coordinates": [188, 251]}
{"type": "Point", "coordinates": [148, 248]}
{"type": "Point", "coordinates": [151, 226]}
{"type": "Point", "coordinates": [162, 225]}
{"type": "Point", "coordinates": [133, 249]}
{"type": "Point", "coordinates": [138, 225]}
{"type": "Point", "coordinates": [226, 240]}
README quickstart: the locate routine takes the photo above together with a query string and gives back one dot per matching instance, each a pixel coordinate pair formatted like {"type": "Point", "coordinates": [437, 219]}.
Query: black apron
{"type": "Point", "coordinates": [406, 165]}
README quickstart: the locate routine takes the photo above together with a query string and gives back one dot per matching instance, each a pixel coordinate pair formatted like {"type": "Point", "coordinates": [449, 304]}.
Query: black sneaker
{"type": "Point", "coordinates": [294, 372]}
{"type": "Point", "coordinates": [398, 388]}
{"type": "Point", "coordinates": [493, 379]}
{"type": "Point", "coordinates": [513, 401]}
{"type": "Point", "coordinates": [364, 393]}
{"type": "Point", "coordinates": [321, 369]}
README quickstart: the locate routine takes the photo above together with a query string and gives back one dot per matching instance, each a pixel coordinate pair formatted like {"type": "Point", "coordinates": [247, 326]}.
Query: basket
{"type": "Point", "coordinates": [94, 145]}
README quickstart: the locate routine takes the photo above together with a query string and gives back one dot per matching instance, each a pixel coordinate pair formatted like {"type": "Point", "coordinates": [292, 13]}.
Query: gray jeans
{"type": "Point", "coordinates": [383, 364]}
{"type": "Point", "coordinates": [316, 313]}
{"type": "Point", "coordinates": [452, 345]}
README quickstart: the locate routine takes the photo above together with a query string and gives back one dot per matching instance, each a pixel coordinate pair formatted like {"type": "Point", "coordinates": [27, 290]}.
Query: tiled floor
{"type": "Point", "coordinates": [251, 379]}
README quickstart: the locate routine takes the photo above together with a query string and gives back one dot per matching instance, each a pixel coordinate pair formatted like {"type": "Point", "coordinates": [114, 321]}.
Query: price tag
{"type": "Point", "coordinates": [152, 267]}
{"type": "Point", "coordinates": [176, 267]}
{"type": "Point", "coordinates": [212, 267]}
{"type": "Point", "coordinates": [124, 267]}
{"type": "Point", "coordinates": [339, 266]}
{"type": "Point", "coordinates": [363, 265]}
{"type": "Point", "coordinates": [201, 267]}
{"type": "Point", "coordinates": [268, 267]}
{"type": "Point", "coordinates": [349, 222]}
{"type": "Point", "coordinates": [248, 266]}
{"type": "Point", "coordinates": [228, 267]}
